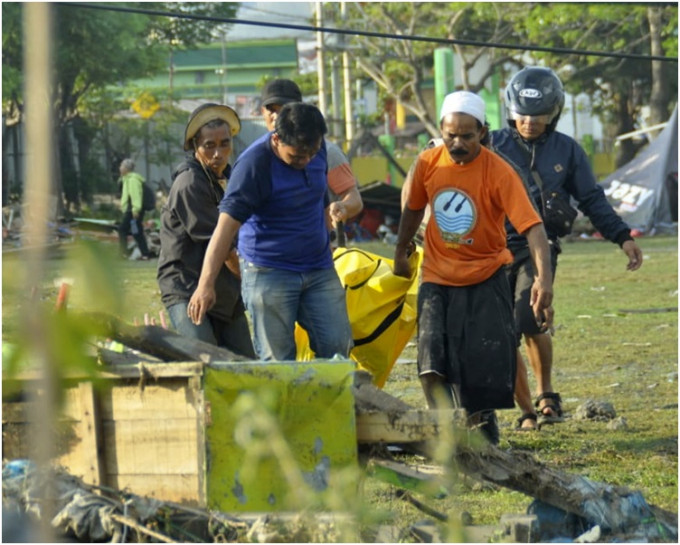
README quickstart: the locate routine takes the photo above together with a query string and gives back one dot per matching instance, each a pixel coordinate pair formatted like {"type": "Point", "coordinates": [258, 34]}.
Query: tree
{"type": "Point", "coordinates": [618, 87]}
{"type": "Point", "coordinates": [663, 37]}
{"type": "Point", "coordinates": [400, 67]}
{"type": "Point", "coordinates": [96, 49]}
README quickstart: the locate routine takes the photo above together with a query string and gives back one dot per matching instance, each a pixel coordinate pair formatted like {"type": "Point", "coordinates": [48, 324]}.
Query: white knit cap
{"type": "Point", "coordinates": [464, 102]}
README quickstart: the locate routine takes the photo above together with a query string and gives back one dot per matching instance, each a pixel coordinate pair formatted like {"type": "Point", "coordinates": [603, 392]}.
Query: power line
{"type": "Point", "coordinates": [444, 41]}
{"type": "Point", "coordinates": [268, 12]}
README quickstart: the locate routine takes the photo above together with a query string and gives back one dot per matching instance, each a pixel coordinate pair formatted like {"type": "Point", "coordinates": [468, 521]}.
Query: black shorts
{"type": "Point", "coordinates": [521, 277]}
{"type": "Point", "coordinates": [467, 335]}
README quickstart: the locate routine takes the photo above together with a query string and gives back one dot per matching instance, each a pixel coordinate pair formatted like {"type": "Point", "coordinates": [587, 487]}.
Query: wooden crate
{"type": "Point", "coordinates": [164, 431]}
{"type": "Point", "coordinates": [140, 429]}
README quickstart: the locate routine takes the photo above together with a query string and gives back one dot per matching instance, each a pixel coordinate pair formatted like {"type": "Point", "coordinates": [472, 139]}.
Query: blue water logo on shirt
{"type": "Point", "coordinates": [455, 215]}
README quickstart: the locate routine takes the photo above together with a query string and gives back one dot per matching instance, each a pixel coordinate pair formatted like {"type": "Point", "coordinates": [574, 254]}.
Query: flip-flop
{"type": "Point", "coordinates": [554, 405]}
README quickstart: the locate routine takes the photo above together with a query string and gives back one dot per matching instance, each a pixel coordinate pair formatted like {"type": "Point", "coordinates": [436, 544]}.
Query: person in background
{"type": "Point", "coordinates": [467, 346]}
{"type": "Point", "coordinates": [557, 169]}
{"type": "Point", "coordinates": [188, 220]}
{"type": "Point", "coordinates": [277, 201]}
{"type": "Point", "coordinates": [132, 196]}
{"type": "Point", "coordinates": [346, 200]}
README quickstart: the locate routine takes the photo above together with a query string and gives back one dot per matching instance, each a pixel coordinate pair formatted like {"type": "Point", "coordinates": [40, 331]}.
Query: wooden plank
{"type": "Point", "coordinates": [148, 369]}
{"type": "Point", "coordinates": [408, 477]}
{"type": "Point", "coordinates": [167, 399]}
{"type": "Point", "coordinates": [70, 407]}
{"type": "Point", "coordinates": [408, 426]}
{"type": "Point", "coordinates": [178, 488]}
{"type": "Point", "coordinates": [151, 447]}
{"type": "Point", "coordinates": [195, 387]}
{"type": "Point", "coordinates": [90, 429]}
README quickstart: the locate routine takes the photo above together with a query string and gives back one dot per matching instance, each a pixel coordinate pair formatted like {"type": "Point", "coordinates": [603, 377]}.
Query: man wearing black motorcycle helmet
{"type": "Point", "coordinates": [558, 171]}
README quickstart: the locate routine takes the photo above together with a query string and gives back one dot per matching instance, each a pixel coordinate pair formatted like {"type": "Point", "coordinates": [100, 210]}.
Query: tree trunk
{"type": "Point", "coordinates": [71, 185]}
{"type": "Point", "coordinates": [625, 149]}
{"type": "Point", "coordinates": [660, 94]}
{"type": "Point", "coordinates": [162, 343]}
{"type": "Point", "coordinates": [84, 136]}
{"type": "Point", "coordinates": [57, 186]}
{"type": "Point", "coordinates": [615, 509]}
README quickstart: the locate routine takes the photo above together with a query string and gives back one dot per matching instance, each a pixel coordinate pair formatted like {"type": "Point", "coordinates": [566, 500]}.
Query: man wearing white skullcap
{"type": "Point", "coordinates": [466, 340]}
{"type": "Point", "coordinates": [464, 102]}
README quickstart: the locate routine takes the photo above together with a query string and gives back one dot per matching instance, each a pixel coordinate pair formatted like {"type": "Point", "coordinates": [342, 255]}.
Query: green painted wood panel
{"type": "Point", "coordinates": [279, 435]}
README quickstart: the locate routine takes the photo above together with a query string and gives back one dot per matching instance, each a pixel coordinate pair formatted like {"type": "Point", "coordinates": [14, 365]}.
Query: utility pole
{"type": "Point", "coordinates": [320, 59]}
{"type": "Point", "coordinates": [337, 97]}
{"type": "Point", "coordinates": [171, 73]}
{"type": "Point", "coordinates": [224, 82]}
{"type": "Point", "coordinates": [349, 114]}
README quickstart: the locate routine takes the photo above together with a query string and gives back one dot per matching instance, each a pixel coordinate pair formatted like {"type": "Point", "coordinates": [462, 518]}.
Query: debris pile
{"type": "Point", "coordinates": [96, 514]}
{"type": "Point", "coordinates": [567, 507]}
{"type": "Point", "coordinates": [15, 221]}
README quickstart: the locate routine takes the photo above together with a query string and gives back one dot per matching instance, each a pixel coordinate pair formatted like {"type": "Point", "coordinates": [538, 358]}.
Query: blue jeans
{"type": "Point", "coordinates": [276, 299]}
{"type": "Point", "coordinates": [234, 335]}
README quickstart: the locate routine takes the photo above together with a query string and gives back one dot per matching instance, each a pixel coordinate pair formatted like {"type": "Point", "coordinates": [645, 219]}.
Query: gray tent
{"type": "Point", "coordinates": [644, 192]}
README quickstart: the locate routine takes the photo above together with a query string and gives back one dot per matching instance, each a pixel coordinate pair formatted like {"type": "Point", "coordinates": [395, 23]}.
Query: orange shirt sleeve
{"type": "Point", "coordinates": [341, 178]}
{"type": "Point", "coordinates": [417, 197]}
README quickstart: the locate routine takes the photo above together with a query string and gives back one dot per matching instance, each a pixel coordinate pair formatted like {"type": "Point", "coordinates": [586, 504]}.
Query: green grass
{"type": "Point", "coordinates": [600, 353]}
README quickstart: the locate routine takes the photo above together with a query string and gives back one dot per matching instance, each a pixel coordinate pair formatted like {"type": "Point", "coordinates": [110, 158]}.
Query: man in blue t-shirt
{"type": "Point", "coordinates": [277, 201]}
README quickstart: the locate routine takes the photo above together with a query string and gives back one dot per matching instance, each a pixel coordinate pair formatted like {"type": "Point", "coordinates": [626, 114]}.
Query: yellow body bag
{"type": "Point", "coordinates": [382, 310]}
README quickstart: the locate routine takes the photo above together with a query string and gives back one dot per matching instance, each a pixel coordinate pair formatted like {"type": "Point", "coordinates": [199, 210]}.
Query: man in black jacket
{"type": "Point", "coordinates": [557, 171]}
{"type": "Point", "coordinates": [188, 220]}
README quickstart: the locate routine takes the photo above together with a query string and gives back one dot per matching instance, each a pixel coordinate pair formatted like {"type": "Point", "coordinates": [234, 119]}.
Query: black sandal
{"type": "Point", "coordinates": [527, 416]}
{"type": "Point", "coordinates": [554, 405]}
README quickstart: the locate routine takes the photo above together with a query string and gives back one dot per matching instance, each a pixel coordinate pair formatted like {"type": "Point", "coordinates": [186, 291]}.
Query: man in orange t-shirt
{"type": "Point", "coordinates": [466, 339]}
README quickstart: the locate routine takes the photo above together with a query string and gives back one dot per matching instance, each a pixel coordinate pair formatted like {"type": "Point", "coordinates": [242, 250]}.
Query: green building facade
{"type": "Point", "coordinates": [226, 72]}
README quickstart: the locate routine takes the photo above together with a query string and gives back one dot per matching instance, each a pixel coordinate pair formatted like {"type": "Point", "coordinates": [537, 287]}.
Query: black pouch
{"type": "Point", "coordinates": [558, 215]}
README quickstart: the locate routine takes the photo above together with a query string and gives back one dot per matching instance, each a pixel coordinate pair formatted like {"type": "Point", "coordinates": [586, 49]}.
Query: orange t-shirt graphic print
{"type": "Point", "coordinates": [455, 215]}
{"type": "Point", "coordinates": [465, 235]}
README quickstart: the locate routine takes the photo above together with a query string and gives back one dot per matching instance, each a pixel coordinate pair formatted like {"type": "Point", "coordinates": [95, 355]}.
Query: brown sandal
{"type": "Point", "coordinates": [527, 416]}
{"type": "Point", "coordinates": [554, 405]}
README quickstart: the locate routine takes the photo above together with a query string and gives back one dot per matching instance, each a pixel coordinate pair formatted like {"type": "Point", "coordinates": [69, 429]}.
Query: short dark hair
{"type": "Point", "coordinates": [300, 125]}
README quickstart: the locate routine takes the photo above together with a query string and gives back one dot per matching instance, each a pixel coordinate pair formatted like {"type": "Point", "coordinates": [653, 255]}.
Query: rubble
{"type": "Point", "coordinates": [94, 514]}
{"type": "Point", "coordinates": [595, 410]}
{"type": "Point", "coordinates": [64, 231]}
